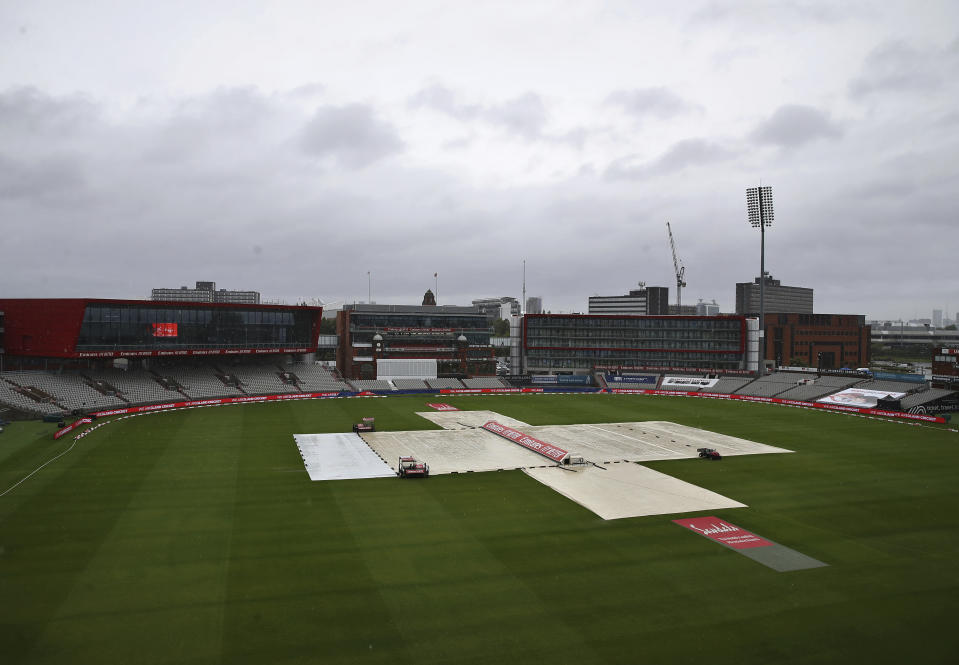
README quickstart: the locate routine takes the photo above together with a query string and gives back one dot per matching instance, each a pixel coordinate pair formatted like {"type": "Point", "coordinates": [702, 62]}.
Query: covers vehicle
{"type": "Point", "coordinates": [409, 467]}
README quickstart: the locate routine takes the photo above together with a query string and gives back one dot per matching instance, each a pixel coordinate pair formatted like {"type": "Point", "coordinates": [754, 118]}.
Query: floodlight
{"type": "Point", "coordinates": [759, 204]}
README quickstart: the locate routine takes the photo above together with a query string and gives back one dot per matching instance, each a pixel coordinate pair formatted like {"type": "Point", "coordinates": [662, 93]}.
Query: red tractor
{"type": "Point", "coordinates": [709, 453]}
{"type": "Point", "coordinates": [368, 425]}
{"type": "Point", "coordinates": [410, 468]}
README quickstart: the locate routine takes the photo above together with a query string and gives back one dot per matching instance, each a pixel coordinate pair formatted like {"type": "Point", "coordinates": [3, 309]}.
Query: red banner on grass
{"type": "Point", "coordinates": [537, 446]}
{"type": "Point", "coordinates": [723, 532]}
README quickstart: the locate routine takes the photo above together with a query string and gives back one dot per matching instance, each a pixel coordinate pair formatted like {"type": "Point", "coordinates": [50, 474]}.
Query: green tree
{"type": "Point", "coordinates": [500, 328]}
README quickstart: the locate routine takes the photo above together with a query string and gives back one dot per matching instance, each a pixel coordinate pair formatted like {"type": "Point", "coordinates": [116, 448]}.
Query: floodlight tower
{"type": "Point", "coordinates": [759, 204]}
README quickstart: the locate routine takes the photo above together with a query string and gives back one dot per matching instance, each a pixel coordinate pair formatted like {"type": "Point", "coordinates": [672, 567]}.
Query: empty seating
{"type": "Point", "coordinates": [441, 384]}
{"type": "Point", "coordinates": [371, 384]}
{"type": "Point", "coordinates": [260, 379]}
{"type": "Point", "coordinates": [727, 385]}
{"type": "Point", "coordinates": [136, 386]}
{"type": "Point", "coordinates": [920, 398]}
{"type": "Point", "coordinates": [891, 386]}
{"type": "Point", "coordinates": [313, 378]}
{"type": "Point", "coordinates": [200, 382]}
{"type": "Point", "coordinates": [772, 385]}
{"type": "Point", "coordinates": [68, 390]}
{"type": "Point", "coordinates": [410, 384]}
{"type": "Point", "coordinates": [808, 393]}
{"type": "Point", "coordinates": [484, 382]}
{"type": "Point", "coordinates": [16, 400]}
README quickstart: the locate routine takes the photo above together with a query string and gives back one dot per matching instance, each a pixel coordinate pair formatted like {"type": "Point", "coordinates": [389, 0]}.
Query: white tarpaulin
{"type": "Point", "coordinates": [340, 456]}
{"type": "Point", "coordinates": [863, 399]}
{"type": "Point", "coordinates": [630, 490]}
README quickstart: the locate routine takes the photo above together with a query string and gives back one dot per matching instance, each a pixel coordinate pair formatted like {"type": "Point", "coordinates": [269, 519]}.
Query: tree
{"type": "Point", "coordinates": [500, 328]}
{"type": "Point", "coordinates": [327, 326]}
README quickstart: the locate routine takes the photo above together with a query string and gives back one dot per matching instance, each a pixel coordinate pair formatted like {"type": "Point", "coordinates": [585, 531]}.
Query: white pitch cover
{"type": "Point", "coordinates": [340, 456]}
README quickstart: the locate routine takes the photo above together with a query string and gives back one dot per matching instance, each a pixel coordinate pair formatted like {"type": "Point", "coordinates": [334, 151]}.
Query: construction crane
{"type": "Point", "coordinates": [680, 270]}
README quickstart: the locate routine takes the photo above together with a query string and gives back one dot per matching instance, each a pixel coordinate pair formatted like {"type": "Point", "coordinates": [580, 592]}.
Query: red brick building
{"type": "Point", "coordinates": [825, 341]}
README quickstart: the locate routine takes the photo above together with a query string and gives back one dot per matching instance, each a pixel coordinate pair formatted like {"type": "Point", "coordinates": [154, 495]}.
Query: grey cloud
{"type": "Point", "coordinates": [793, 125]}
{"type": "Point", "coordinates": [895, 66]}
{"type": "Point", "coordinates": [440, 98]}
{"type": "Point", "coordinates": [658, 102]}
{"type": "Point", "coordinates": [524, 116]}
{"type": "Point", "coordinates": [221, 116]}
{"type": "Point", "coordinates": [683, 154]}
{"type": "Point", "coordinates": [350, 134]}
{"type": "Point", "coordinates": [764, 14]}
{"type": "Point", "coordinates": [40, 179]}
{"type": "Point", "coordinates": [26, 109]}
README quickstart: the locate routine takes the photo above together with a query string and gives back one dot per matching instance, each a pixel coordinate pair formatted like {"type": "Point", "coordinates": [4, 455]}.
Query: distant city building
{"type": "Point", "coordinates": [937, 318]}
{"type": "Point", "coordinates": [707, 308]}
{"type": "Point", "coordinates": [534, 305]}
{"type": "Point", "coordinates": [205, 292]}
{"type": "Point", "coordinates": [682, 310]}
{"type": "Point", "coordinates": [498, 308]}
{"type": "Point", "coordinates": [652, 300]}
{"type": "Point", "coordinates": [777, 298]}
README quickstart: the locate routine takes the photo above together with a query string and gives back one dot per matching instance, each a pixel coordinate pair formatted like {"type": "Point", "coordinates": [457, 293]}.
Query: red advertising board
{"type": "Point", "coordinates": [212, 402]}
{"type": "Point", "coordinates": [164, 330]}
{"type": "Point", "coordinates": [476, 391]}
{"type": "Point", "coordinates": [69, 428]}
{"type": "Point", "coordinates": [537, 446]}
{"type": "Point", "coordinates": [442, 407]}
{"type": "Point", "coordinates": [723, 532]}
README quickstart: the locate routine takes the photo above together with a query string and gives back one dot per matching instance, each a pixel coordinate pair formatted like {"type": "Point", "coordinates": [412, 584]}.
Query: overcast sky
{"type": "Point", "coordinates": [293, 147]}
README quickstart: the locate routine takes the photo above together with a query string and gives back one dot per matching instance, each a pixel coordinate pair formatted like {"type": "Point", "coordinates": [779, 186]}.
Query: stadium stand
{"type": "Point", "coordinates": [200, 382]}
{"type": "Point", "coordinates": [808, 393]}
{"type": "Point", "coordinates": [924, 397]}
{"type": "Point", "coordinates": [12, 398]}
{"type": "Point", "coordinates": [439, 384]}
{"type": "Point", "coordinates": [70, 391]}
{"type": "Point", "coordinates": [891, 386]}
{"type": "Point", "coordinates": [771, 385]}
{"type": "Point", "coordinates": [729, 385]}
{"type": "Point", "coordinates": [371, 384]}
{"type": "Point", "coordinates": [134, 386]}
{"type": "Point", "coordinates": [313, 378]}
{"type": "Point", "coordinates": [410, 384]}
{"type": "Point", "coordinates": [485, 382]}
{"type": "Point", "coordinates": [260, 379]}
{"type": "Point", "coordinates": [837, 381]}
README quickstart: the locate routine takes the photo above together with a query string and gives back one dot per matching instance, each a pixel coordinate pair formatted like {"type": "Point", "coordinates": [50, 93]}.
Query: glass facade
{"type": "Point", "coordinates": [581, 342]}
{"type": "Point", "coordinates": [109, 327]}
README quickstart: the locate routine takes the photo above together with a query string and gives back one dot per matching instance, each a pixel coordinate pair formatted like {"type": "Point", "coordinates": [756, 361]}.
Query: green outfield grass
{"type": "Point", "coordinates": [197, 537]}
